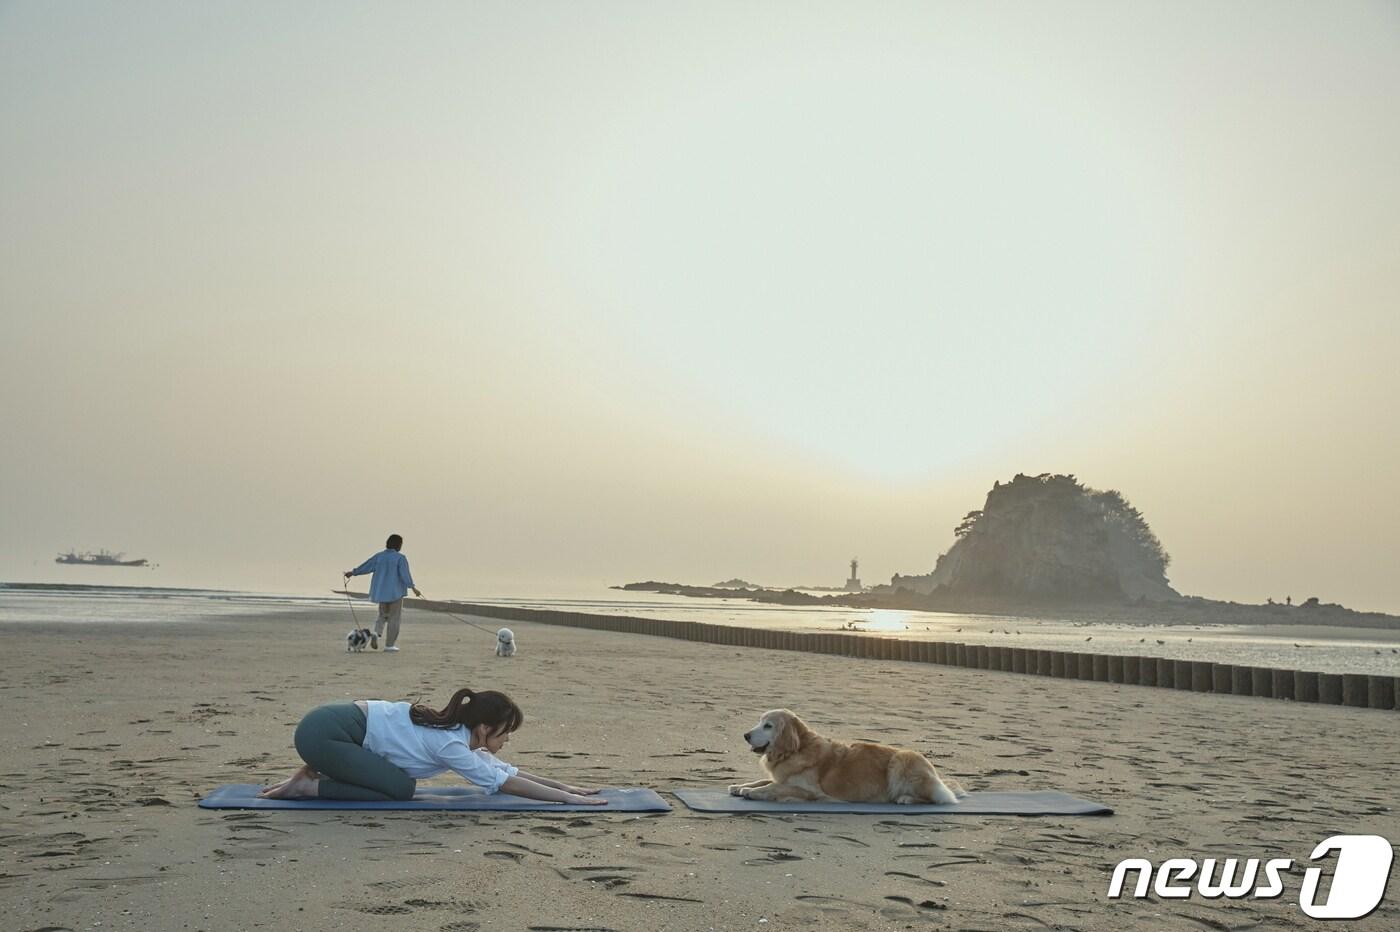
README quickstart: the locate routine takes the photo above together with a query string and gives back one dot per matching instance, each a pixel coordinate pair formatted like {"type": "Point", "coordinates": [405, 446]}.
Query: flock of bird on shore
{"type": "Point", "coordinates": [1160, 641]}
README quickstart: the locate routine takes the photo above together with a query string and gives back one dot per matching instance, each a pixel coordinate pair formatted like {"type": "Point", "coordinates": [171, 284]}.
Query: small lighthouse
{"type": "Point", "coordinates": [853, 584]}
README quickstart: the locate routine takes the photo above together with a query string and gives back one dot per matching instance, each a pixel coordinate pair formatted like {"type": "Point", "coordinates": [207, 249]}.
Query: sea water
{"type": "Point", "coordinates": [1373, 651]}
{"type": "Point", "coordinates": [1324, 650]}
{"type": "Point", "coordinates": [31, 602]}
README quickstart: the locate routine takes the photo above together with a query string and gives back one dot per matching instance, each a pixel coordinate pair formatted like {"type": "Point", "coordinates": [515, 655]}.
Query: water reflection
{"type": "Point", "coordinates": [886, 620]}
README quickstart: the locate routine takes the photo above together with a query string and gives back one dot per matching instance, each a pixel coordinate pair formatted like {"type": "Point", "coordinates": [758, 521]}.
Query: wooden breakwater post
{"type": "Point", "coordinates": [1132, 670]}
{"type": "Point", "coordinates": [1079, 666]}
{"type": "Point", "coordinates": [1099, 668]}
{"type": "Point", "coordinates": [1241, 681]}
{"type": "Point", "coordinates": [1355, 690]}
{"type": "Point", "coordinates": [1084, 663]}
{"type": "Point", "coordinates": [1380, 692]}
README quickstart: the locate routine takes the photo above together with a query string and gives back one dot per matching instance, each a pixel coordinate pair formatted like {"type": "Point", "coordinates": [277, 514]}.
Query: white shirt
{"type": "Point", "coordinates": [420, 751]}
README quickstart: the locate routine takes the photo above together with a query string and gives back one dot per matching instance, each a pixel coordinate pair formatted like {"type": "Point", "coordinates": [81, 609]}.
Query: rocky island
{"type": "Point", "coordinates": [1047, 545]}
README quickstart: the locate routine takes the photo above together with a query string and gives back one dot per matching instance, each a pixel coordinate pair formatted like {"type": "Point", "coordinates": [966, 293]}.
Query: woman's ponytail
{"type": "Point", "coordinates": [469, 708]}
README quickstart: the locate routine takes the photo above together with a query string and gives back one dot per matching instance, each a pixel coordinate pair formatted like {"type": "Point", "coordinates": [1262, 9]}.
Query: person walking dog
{"type": "Point", "coordinates": [389, 584]}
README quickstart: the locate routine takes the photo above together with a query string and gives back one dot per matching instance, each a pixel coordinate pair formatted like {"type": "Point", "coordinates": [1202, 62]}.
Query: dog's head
{"type": "Point", "coordinates": [505, 636]}
{"type": "Point", "coordinates": [777, 734]}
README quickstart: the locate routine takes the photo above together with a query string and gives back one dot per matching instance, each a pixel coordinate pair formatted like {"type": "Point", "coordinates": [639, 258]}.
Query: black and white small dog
{"type": "Point", "coordinates": [357, 639]}
{"type": "Point", "coordinates": [505, 643]}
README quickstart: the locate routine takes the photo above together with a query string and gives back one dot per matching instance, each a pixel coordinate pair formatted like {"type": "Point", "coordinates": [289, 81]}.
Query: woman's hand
{"type": "Point", "coordinates": [579, 790]}
{"type": "Point", "coordinates": [528, 787]}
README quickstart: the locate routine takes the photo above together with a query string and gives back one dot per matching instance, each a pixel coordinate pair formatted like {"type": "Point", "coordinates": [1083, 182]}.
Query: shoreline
{"type": "Point", "coordinates": [1377, 691]}
{"type": "Point", "coordinates": [117, 729]}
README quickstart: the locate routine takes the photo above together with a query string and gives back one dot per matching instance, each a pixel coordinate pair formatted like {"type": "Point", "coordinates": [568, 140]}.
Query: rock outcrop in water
{"type": "Point", "coordinates": [1050, 538]}
{"type": "Point", "coordinates": [735, 583]}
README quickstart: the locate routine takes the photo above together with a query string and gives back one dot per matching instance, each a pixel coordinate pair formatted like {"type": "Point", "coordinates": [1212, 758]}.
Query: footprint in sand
{"type": "Point", "coordinates": [660, 896]}
{"type": "Point", "coordinates": [382, 909]}
{"type": "Point", "coordinates": [916, 878]}
{"type": "Point", "coordinates": [921, 904]}
{"type": "Point", "coordinates": [515, 856]}
{"type": "Point", "coordinates": [405, 884]}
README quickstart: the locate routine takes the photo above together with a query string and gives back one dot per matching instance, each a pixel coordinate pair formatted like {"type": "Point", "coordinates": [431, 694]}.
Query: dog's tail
{"type": "Point", "coordinates": [944, 794]}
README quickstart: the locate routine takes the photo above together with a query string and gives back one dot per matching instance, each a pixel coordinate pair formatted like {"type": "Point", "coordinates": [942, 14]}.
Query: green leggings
{"type": "Point", "coordinates": [329, 739]}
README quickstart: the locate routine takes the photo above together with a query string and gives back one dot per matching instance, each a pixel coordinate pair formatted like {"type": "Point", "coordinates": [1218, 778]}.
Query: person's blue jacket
{"type": "Point", "coordinates": [391, 580]}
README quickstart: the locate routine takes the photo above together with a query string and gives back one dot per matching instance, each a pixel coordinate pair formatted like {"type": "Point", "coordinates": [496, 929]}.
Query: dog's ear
{"type": "Point", "coordinates": [788, 733]}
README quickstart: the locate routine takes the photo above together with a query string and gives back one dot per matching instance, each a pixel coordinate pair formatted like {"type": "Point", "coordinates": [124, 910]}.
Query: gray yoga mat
{"type": "Point", "coordinates": [452, 798]}
{"type": "Point", "coordinates": [1043, 802]}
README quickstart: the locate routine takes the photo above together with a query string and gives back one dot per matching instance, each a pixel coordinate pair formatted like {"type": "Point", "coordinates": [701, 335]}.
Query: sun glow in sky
{"type": "Point", "coordinates": [601, 292]}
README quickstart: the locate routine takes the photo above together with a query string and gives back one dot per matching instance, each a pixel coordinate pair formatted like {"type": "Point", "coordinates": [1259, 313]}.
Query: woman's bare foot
{"type": "Point", "coordinates": [301, 785]}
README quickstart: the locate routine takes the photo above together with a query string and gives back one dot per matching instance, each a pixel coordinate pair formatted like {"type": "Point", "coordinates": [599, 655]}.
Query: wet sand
{"type": "Point", "coordinates": [113, 731]}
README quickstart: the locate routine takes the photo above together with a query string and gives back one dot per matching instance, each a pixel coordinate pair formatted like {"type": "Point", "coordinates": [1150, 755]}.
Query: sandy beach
{"type": "Point", "coordinates": [114, 730]}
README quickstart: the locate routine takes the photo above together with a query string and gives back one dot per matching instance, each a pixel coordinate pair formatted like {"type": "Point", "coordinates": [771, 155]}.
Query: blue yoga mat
{"type": "Point", "coordinates": [1045, 802]}
{"type": "Point", "coordinates": [451, 798]}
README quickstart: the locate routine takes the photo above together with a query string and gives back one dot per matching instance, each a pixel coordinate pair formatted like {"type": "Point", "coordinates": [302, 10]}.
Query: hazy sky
{"type": "Point", "coordinates": [581, 293]}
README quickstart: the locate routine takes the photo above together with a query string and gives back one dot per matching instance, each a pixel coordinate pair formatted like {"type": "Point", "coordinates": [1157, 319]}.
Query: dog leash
{"type": "Point", "coordinates": [472, 623]}
{"type": "Point", "coordinates": [464, 621]}
{"type": "Point", "coordinates": [345, 587]}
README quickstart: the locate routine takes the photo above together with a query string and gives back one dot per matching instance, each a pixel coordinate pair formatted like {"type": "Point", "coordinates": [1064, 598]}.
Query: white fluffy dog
{"type": "Point", "coordinates": [505, 643]}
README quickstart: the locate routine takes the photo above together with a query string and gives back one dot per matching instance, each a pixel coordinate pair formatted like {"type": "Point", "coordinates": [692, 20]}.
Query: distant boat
{"type": "Point", "coordinates": [100, 558]}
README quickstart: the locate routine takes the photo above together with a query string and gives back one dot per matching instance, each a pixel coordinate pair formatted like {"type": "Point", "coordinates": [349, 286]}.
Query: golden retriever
{"type": "Point", "coordinates": [802, 765]}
